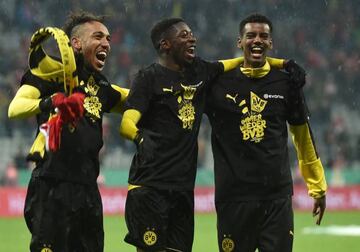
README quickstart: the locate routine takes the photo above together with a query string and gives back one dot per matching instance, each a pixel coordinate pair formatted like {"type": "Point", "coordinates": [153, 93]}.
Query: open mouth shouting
{"type": "Point", "coordinates": [100, 58]}
{"type": "Point", "coordinates": [190, 52]}
{"type": "Point", "coordinates": [257, 52]}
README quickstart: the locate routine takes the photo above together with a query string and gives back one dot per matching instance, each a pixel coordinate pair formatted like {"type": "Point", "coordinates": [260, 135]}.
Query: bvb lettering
{"type": "Point", "coordinates": [253, 127]}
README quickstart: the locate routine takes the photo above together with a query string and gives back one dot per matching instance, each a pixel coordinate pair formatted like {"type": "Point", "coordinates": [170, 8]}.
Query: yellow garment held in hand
{"type": "Point", "coordinates": [48, 68]}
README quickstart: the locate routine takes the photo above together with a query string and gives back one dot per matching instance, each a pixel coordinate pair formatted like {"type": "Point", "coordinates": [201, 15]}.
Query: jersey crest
{"type": "Point", "coordinates": [150, 237]}
{"type": "Point", "coordinates": [252, 126]}
{"type": "Point", "coordinates": [186, 111]}
{"type": "Point", "coordinates": [227, 244]}
{"type": "Point", "coordinates": [92, 103]}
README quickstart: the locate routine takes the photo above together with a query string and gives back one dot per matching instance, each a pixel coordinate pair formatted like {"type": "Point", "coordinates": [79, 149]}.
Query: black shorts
{"type": "Point", "coordinates": [247, 226]}
{"type": "Point", "coordinates": [63, 216]}
{"type": "Point", "coordinates": [160, 219]}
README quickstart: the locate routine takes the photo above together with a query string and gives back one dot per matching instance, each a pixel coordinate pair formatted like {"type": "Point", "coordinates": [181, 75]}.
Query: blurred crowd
{"type": "Point", "coordinates": [323, 36]}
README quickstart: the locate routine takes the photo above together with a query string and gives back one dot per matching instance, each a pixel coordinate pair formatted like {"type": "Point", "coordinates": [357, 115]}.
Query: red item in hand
{"type": "Point", "coordinates": [52, 132]}
{"type": "Point", "coordinates": [70, 108]}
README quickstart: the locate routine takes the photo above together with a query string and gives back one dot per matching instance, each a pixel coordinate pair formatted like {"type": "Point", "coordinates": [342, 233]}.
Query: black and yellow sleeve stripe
{"type": "Point", "coordinates": [124, 92]}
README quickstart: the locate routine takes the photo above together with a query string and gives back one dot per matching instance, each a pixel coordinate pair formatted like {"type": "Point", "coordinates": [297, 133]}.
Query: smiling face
{"type": "Point", "coordinates": [255, 42]}
{"type": "Point", "coordinates": [181, 44]}
{"type": "Point", "coordinates": [92, 39]}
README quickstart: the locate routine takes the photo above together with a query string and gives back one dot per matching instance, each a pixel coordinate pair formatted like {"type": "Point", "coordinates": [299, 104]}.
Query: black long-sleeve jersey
{"type": "Point", "coordinates": [249, 134]}
{"type": "Point", "coordinates": [77, 159]}
{"type": "Point", "coordinates": [171, 104]}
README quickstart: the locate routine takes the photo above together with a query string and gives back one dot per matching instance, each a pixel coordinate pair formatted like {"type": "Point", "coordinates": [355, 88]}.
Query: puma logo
{"type": "Point", "coordinates": [233, 98]}
{"type": "Point", "coordinates": [170, 90]}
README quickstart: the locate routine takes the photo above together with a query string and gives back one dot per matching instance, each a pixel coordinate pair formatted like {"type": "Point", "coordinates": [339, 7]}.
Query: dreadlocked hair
{"type": "Point", "coordinates": [75, 19]}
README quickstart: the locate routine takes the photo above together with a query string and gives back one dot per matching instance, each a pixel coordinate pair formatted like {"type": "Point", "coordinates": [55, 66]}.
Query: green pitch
{"type": "Point", "coordinates": [14, 236]}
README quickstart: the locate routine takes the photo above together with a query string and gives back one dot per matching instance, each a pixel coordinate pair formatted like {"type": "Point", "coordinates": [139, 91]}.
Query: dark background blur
{"type": "Point", "coordinates": [323, 36]}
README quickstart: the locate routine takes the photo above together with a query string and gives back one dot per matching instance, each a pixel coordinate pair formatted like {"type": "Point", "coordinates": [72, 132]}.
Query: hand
{"type": "Point", "coordinates": [319, 208]}
{"type": "Point", "coordinates": [297, 73]}
{"type": "Point", "coordinates": [52, 132]}
{"type": "Point", "coordinates": [70, 108]}
{"type": "Point", "coordinates": [46, 104]}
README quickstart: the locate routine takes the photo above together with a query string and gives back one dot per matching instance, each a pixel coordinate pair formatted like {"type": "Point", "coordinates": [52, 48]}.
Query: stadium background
{"type": "Point", "coordinates": [323, 36]}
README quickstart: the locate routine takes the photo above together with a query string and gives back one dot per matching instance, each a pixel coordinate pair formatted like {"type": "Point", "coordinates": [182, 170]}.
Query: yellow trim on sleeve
{"type": "Point", "coordinates": [309, 163]}
{"type": "Point", "coordinates": [275, 62]}
{"type": "Point", "coordinates": [25, 103]}
{"type": "Point", "coordinates": [314, 177]}
{"type": "Point", "coordinates": [303, 142]}
{"type": "Point", "coordinates": [124, 92]}
{"type": "Point", "coordinates": [128, 128]}
{"type": "Point", "coordinates": [231, 63]}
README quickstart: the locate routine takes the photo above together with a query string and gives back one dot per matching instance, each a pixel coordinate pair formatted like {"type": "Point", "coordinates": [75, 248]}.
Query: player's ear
{"type": "Point", "coordinates": [165, 45]}
{"type": "Point", "coordinates": [239, 43]}
{"type": "Point", "coordinates": [76, 44]}
{"type": "Point", "coordinates": [271, 43]}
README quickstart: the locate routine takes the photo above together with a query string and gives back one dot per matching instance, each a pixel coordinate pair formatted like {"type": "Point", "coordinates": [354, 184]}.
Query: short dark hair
{"type": "Point", "coordinates": [77, 18]}
{"type": "Point", "coordinates": [254, 18]}
{"type": "Point", "coordinates": [160, 29]}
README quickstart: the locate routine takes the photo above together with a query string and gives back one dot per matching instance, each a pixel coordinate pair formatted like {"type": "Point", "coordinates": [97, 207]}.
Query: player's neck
{"type": "Point", "coordinates": [249, 64]}
{"type": "Point", "coordinates": [170, 64]}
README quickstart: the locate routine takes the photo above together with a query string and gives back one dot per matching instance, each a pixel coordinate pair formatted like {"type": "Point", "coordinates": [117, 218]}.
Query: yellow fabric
{"type": "Point", "coordinates": [313, 174]}
{"type": "Point", "coordinates": [276, 63]}
{"type": "Point", "coordinates": [130, 187]}
{"type": "Point", "coordinates": [256, 72]}
{"type": "Point", "coordinates": [47, 68]}
{"type": "Point", "coordinates": [39, 145]}
{"type": "Point", "coordinates": [309, 163]}
{"type": "Point", "coordinates": [230, 64]}
{"type": "Point", "coordinates": [128, 128]}
{"type": "Point", "coordinates": [27, 99]}
{"type": "Point", "coordinates": [303, 142]}
{"type": "Point", "coordinates": [118, 108]}
{"type": "Point", "coordinates": [25, 103]}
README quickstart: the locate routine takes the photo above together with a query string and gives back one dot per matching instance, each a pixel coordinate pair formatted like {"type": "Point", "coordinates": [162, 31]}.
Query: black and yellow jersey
{"type": "Point", "coordinates": [77, 160]}
{"type": "Point", "coordinates": [249, 119]}
{"type": "Point", "coordinates": [171, 104]}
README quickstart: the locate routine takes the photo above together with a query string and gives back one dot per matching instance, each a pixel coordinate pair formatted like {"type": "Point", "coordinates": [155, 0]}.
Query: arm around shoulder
{"type": "Point", "coordinates": [124, 92]}
{"type": "Point", "coordinates": [128, 128]}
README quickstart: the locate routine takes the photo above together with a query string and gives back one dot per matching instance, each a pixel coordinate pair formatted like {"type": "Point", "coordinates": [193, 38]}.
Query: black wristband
{"type": "Point", "coordinates": [45, 104]}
